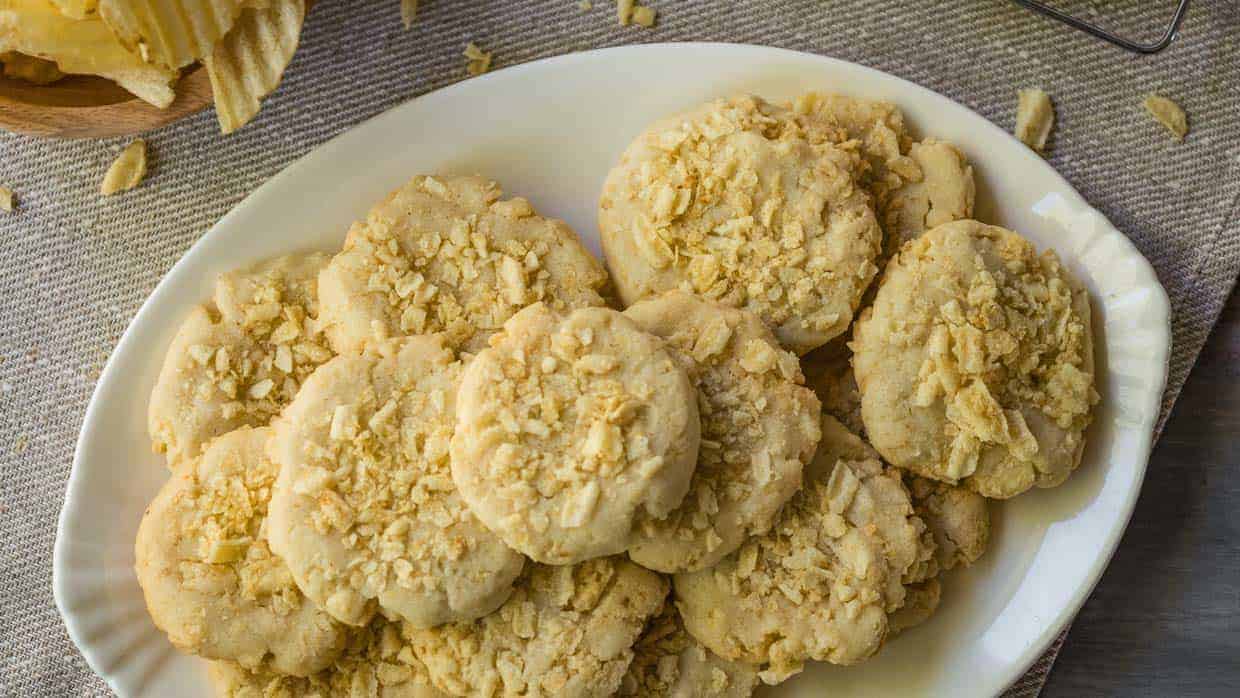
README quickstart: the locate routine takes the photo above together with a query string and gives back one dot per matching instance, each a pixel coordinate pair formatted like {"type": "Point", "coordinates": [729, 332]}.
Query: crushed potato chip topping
{"type": "Point", "coordinates": [6, 199]}
{"type": "Point", "coordinates": [126, 171]}
{"type": "Point", "coordinates": [377, 662]}
{"type": "Point", "coordinates": [565, 631]}
{"type": "Point", "coordinates": [1167, 113]}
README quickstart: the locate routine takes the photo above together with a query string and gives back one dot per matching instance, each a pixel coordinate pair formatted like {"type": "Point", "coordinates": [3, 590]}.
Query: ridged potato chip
{"type": "Point", "coordinates": [247, 65]}
{"type": "Point", "coordinates": [83, 46]}
{"type": "Point", "coordinates": [173, 33]}
{"type": "Point", "coordinates": [28, 68]}
{"type": "Point", "coordinates": [76, 9]}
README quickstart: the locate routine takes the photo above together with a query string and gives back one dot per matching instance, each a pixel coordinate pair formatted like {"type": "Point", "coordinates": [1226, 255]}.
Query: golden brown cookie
{"type": "Point", "coordinates": [571, 429]}
{"type": "Point", "coordinates": [748, 204]}
{"type": "Point", "coordinates": [565, 631]}
{"type": "Point", "coordinates": [239, 360]}
{"type": "Point", "coordinates": [448, 255]}
{"type": "Point", "coordinates": [975, 363]}
{"type": "Point", "coordinates": [210, 581]}
{"type": "Point", "coordinates": [364, 510]}
{"type": "Point", "coordinates": [759, 428]}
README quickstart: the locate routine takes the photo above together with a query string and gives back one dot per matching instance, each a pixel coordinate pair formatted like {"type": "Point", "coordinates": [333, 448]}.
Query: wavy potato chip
{"type": "Point", "coordinates": [76, 9]}
{"type": "Point", "coordinates": [81, 46]}
{"type": "Point", "coordinates": [28, 68]}
{"type": "Point", "coordinates": [247, 65]}
{"type": "Point", "coordinates": [173, 33]}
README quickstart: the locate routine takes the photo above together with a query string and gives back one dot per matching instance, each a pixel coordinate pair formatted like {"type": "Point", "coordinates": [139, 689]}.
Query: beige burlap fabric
{"type": "Point", "coordinates": [74, 267]}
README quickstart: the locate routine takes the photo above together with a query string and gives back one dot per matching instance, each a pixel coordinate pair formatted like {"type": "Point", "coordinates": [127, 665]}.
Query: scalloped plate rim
{"type": "Point", "coordinates": [322, 154]}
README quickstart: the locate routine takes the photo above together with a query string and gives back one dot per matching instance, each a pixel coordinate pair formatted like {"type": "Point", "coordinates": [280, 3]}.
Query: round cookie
{"type": "Point", "coordinates": [364, 510]}
{"type": "Point", "coordinates": [877, 501]}
{"type": "Point", "coordinates": [745, 203]}
{"type": "Point", "coordinates": [916, 186]}
{"type": "Point", "coordinates": [759, 428]}
{"type": "Point", "coordinates": [812, 588]}
{"type": "Point", "coordinates": [445, 254]}
{"type": "Point", "coordinates": [378, 663]}
{"type": "Point", "coordinates": [669, 663]}
{"type": "Point", "coordinates": [569, 429]}
{"type": "Point", "coordinates": [210, 581]}
{"type": "Point", "coordinates": [565, 631]}
{"type": "Point", "coordinates": [975, 363]}
{"type": "Point", "coordinates": [238, 361]}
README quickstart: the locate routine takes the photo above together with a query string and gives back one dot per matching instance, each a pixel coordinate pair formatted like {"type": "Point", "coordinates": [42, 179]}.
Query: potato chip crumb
{"type": "Point", "coordinates": [6, 199]}
{"type": "Point", "coordinates": [408, 12]}
{"type": "Point", "coordinates": [478, 61]}
{"type": "Point", "coordinates": [127, 170]}
{"type": "Point", "coordinates": [624, 11]}
{"type": "Point", "coordinates": [644, 16]}
{"type": "Point", "coordinates": [585, 5]}
{"type": "Point", "coordinates": [1035, 116]}
{"type": "Point", "coordinates": [1167, 113]}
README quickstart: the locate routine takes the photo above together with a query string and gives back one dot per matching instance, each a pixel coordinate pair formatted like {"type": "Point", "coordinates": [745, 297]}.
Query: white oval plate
{"type": "Point", "coordinates": [550, 130]}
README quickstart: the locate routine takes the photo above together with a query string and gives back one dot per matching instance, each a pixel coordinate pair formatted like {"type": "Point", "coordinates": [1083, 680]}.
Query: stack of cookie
{"type": "Point", "coordinates": [442, 462]}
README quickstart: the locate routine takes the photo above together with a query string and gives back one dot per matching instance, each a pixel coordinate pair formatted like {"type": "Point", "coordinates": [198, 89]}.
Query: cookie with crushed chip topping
{"type": "Point", "coordinates": [570, 429]}
{"type": "Point", "coordinates": [448, 255]}
{"type": "Point", "coordinates": [364, 510]}
{"type": "Point", "coordinates": [748, 204]}
{"type": "Point", "coordinates": [759, 429]}
{"type": "Point", "coordinates": [210, 580]}
{"type": "Point", "coordinates": [669, 663]}
{"type": "Point", "coordinates": [880, 502]}
{"type": "Point", "coordinates": [378, 663]}
{"type": "Point", "coordinates": [239, 360]}
{"type": "Point", "coordinates": [566, 631]}
{"type": "Point", "coordinates": [975, 363]}
{"type": "Point", "coordinates": [812, 588]}
{"type": "Point", "coordinates": [916, 185]}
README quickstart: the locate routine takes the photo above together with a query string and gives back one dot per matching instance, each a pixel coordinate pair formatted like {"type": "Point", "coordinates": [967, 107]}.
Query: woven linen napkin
{"type": "Point", "coordinates": [75, 267]}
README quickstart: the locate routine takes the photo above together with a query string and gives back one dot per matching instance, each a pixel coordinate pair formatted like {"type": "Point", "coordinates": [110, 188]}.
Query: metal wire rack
{"type": "Point", "coordinates": [1090, 28]}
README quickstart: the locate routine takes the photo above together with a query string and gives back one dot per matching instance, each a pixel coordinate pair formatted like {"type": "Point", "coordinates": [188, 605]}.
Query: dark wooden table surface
{"type": "Point", "coordinates": [1165, 619]}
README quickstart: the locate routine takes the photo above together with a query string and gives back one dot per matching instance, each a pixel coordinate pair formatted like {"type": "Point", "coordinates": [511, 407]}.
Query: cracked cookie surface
{"type": "Point", "coordinates": [211, 582]}
{"type": "Point", "coordinates": [975, 363]}
{"type": "Point", "coordinates": [240, 359]}
{"type": "Point", "coordinates": [565, 631]}
{"type": "Point", "coordinates": [365, 511]}
{"type": "Point", "coordinates": [748, 204]}
{"type": "Point", "coordinates": [759, 429]}
{"type": "Point", "coordinates": [570, 427]}
{"type": "Point", "coordinates": [448, 255]}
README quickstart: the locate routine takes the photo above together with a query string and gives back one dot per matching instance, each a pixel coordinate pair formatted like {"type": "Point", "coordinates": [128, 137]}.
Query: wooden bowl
{"type": "Point", "coordinates": [84, 106]}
